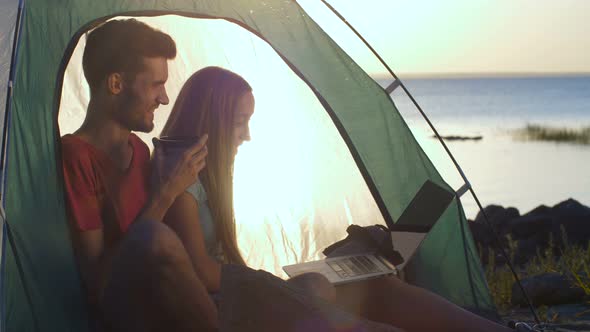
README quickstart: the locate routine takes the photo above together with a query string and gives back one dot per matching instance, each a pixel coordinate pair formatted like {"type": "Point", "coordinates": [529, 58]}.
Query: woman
{"type": "Point", "coordinates": [220, 103]}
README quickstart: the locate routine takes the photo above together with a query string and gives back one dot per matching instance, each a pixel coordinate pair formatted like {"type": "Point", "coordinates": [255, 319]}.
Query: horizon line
{"type": "Point", "coordinates": [384, 75]}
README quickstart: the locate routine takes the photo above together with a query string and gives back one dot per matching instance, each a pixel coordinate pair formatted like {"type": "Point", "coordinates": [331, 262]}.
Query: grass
{"type": "Point", "coordinates": [500, 280]}
{"type": "Point", "coordinates": [574, 263]}
{"type": "Point", "coordinates": [535, 132]}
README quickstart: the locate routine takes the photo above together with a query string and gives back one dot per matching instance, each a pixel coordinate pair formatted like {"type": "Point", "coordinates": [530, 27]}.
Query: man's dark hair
{"type": "Point", "coordinates": [118, 46]}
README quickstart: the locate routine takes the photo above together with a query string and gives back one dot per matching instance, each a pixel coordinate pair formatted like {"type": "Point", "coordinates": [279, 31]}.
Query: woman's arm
{"type": "Point", "coordinates": [183, 218]}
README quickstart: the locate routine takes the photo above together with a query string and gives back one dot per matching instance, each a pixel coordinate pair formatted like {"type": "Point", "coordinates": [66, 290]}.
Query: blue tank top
{"type": "Point", "coordinates": [206, 220]}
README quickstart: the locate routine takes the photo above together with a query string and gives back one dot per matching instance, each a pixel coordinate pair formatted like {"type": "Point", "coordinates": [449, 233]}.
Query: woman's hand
{"type": "Point", "coordinates": [170, 182]}
{"type": "Point", "coordinates": [185, 171]}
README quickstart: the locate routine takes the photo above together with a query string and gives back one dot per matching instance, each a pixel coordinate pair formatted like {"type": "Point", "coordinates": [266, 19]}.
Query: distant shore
{"type": "Point", "coordinates": [535, 132]}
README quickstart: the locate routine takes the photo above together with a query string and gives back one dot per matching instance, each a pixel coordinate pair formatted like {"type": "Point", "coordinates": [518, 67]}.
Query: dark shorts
{"type": "Point", "coordinates": [255, 300]}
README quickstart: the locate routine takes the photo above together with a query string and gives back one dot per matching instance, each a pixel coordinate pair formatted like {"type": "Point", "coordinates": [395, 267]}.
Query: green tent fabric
{"type": "Point", "coordinates": [388, 158]}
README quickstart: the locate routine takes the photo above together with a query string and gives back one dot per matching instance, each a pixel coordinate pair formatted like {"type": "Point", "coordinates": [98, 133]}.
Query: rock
{"type": "Point", "coordinates": [533, 230]}
{"type": "Point", "coordinates": [527, 248]}
{"type": "Point", "coordinates": [577, 229]}
{"type": "Point", "coordinates": [481, 233]}
{"type": "Point", "coordinates": [530, 224]}
{"type": "Point", "coordinates": [547, 289]}
{"type": "Point", "coordinates": [574, 218]}
{"type": "Point", "coordinates": [571, 208]}
{"type": "Point", "coordinates": [542, 210]}
{"type": "Point", "coordinates": [499, 217]}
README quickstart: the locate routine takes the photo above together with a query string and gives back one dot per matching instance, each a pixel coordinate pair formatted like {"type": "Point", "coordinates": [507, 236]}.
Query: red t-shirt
{"type": "Point", "coordinates": [98, 193]}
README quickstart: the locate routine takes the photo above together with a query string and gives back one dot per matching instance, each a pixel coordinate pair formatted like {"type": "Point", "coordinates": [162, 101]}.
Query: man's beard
{"type": "Point", "coordinates": [129, 102]}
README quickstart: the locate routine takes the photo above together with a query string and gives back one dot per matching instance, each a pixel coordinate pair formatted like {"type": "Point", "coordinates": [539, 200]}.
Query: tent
{"type": "Point", "coordinates": [329, 147]}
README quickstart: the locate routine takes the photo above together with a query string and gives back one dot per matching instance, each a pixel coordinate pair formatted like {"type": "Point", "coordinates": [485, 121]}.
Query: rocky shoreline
{"type": "Point", "coordinates": [533, 230]}
{"type": "Point", "coordinates": [548, 248]}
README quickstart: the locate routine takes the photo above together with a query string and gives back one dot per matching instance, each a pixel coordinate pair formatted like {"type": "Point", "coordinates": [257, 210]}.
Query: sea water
{"type": "Point", "coordinates": [501, 168]}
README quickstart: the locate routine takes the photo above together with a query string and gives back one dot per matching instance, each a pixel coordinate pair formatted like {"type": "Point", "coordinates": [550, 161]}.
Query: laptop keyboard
{"type": "Point", "coordinates": [353, 266]}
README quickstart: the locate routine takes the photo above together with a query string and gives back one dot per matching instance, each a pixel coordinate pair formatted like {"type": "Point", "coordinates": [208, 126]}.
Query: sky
{"type": "Point", "coordinates": [464, 36]}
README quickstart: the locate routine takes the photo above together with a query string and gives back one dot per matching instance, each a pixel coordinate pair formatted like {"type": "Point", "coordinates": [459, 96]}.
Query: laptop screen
{"type": "Point", "coordinates": [425, 209]}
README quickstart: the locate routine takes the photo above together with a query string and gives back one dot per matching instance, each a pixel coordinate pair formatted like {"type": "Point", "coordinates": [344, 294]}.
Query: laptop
{"type": "Point", "coordinates": [407, 234]}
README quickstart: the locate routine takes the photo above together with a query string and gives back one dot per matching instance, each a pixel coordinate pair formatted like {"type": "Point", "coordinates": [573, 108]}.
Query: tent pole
{"type": "Point", "coordinates": [467, 183]}
{"type": "Point", "coordinates": [7, 110]}
{"type": "Point", "coordinates": [6, 231]}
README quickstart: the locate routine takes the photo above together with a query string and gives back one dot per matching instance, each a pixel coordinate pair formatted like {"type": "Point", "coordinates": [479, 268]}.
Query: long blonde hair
{"type": "Point", "coordinates": [206, 105]}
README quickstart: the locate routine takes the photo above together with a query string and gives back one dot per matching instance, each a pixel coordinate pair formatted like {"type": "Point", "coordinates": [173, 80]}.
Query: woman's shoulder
{"type": "Point", "coordinates": [197, 190]}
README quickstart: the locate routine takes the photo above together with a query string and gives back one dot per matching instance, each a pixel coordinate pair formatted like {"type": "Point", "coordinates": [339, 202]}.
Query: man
{"type": "Point", "coordinates": [134, 268]}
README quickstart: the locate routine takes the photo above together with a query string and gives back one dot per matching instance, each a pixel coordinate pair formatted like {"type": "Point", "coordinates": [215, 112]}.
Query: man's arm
{"type": "Point", "coordinates": [84, 215]}
{"type": "Point", "coordinates": [93, 261]}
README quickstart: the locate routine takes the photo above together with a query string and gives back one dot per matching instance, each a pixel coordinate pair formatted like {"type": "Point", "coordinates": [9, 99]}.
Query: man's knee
{"type": "Point", "coordinates": [143, 273]}
{"type": "Point", "coordinates": [316, 284]}
{"type": "Point", "coordinates": [154, 243]}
